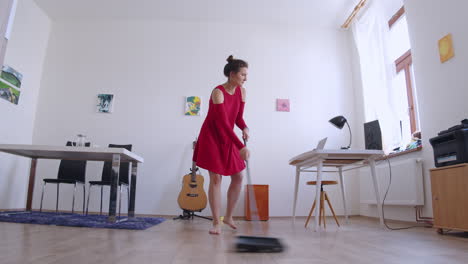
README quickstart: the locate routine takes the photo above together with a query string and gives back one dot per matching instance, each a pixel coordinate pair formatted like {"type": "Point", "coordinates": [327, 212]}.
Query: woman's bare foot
{"type": "Point", "coordinates": [215, 230]}
{"type": "Point", "coordinates": [229, 222]}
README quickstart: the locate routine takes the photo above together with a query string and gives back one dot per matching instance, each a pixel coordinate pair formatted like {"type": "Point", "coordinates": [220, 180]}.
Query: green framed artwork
{"type": "Point", "coordinates": [9, 92]}
{"type": "Point", "coordinates": [105, 103]}
{"type": "Point", "coordinates": [10, 84]}
{"type": "Point", "coordinates": [12, 76]}
{"type": "Point", "coordinates": [192, 105]}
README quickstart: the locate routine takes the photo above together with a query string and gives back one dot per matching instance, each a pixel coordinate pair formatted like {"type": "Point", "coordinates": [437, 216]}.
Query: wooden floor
{"type": "Point", "coordinates": [182, 241]}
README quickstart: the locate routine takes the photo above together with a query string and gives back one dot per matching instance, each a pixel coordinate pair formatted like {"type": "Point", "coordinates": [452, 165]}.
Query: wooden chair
{"type": "Point", "coordinates": [323, 198]}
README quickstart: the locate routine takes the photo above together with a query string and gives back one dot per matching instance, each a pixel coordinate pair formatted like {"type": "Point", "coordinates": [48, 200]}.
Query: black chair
{"type": "Point", "coordinates": [106, 178]}
{"type": "Point", "coordinates": [70, 172]}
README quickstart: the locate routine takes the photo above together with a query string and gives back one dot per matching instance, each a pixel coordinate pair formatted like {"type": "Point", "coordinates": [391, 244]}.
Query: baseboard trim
{"type": "Point", "coordinates": [388, 220]}
{"type": "Point", "coordinates": [12, 210]}
{"type": "Point", "coordinates": [173, 216]}
{"type": "Point", "coordinates": [80, 212]}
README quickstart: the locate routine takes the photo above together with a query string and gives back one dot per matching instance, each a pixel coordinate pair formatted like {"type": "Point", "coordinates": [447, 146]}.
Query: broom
{"type": "Point", "coordinates": [256, 243]}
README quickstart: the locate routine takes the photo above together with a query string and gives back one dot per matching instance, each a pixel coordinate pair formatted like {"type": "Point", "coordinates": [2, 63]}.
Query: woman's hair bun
{"type": "Point", "coordinates": [234, 65]}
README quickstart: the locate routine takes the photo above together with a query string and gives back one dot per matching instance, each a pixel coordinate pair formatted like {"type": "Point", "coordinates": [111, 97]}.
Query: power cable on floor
{"type": "Point", "coordinates": [383, 203]}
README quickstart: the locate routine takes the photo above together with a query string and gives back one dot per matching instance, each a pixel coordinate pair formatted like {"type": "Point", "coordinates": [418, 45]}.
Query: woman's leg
{"type": "Point", "coordinates": [232, 197]}
{"type": "Point", "coordinates": [214, 196]}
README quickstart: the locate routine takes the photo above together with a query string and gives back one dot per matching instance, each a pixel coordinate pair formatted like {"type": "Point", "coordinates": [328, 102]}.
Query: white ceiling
{"type": "Point", "coordinates": [303, 12]}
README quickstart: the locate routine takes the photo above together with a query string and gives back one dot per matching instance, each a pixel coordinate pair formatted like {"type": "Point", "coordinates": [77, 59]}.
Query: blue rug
{"type": "Point", "coordinates": [67, 219]}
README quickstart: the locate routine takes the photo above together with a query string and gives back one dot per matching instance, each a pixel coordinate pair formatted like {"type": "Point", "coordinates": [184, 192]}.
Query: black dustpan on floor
{"type": "Point", "coordinates": [256, 243]}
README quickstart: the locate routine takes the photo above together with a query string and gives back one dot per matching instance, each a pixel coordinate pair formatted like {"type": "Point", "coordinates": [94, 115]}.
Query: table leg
{"type": "Point", "coordinates": [113, 188]}
{"type": "Point", "coordinates": [131, 206]}
{"type": "Point", "coordinates": [376, 189]}
{"type": "Point", "coordinates": [343, 193]}
{"type": "Point", "coordinates": [32, 179]}
{"type": "Point", "coordinates": [317, 193]}
{"type": "Point", "coordinates": [296, 187]}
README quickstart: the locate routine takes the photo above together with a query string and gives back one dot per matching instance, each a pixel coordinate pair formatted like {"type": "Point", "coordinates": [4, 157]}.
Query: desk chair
{"type": "Point", "coordinates": [70, 172]}
{"type": "Point", "coordinates": [323, 197]}
{"type": "Point", "coordinates": [106, 178]}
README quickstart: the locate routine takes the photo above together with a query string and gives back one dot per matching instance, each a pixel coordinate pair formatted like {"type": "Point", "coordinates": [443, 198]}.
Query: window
{"type": "Point", "coordinates": [386, 73]}
{"type": "Point", "coordinates": [403, 92]}
{"type": "Point", "coordinates": [7, 10]}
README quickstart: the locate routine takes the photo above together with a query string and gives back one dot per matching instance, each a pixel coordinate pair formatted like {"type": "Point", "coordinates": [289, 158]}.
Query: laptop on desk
{"type": "Point", "coordinates": [305, 155]}
{"type": "Point", "coordinates": [321, 143]}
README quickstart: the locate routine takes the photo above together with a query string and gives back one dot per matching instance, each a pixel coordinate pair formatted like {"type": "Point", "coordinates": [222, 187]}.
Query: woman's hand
{"type": "Point", "coordinates": [245, 134]}
{"type": "Point", "coordinates": [245, 153]}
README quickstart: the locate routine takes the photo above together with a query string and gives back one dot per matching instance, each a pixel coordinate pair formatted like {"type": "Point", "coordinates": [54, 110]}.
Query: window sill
{"type": "Point", "coordinates": [400, 153]}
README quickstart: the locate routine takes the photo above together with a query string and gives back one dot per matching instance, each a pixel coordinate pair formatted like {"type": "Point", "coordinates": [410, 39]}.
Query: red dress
{"type": "Point", "coordinates": [217, 148]}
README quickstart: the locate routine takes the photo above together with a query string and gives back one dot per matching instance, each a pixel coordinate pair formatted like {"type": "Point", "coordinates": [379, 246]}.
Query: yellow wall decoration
{"type": "Point", "coordinates": [446, 48]}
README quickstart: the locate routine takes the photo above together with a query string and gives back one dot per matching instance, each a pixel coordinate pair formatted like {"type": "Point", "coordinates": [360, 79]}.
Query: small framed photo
{"type": "Point", "coordinates": [105, 103]}
{"type": "Point", "coordinates": [446, 51]}
{"type": "Point", "coordinates": [9, 92]}
{"type": "Point", "coordinates": [10, 84]}
{"type": "Point", "coordinates": [192, 105]}
{"type": "Point", "coordinates": [12, 76]}
{"type": "Point", "coordinates": [282, 105]}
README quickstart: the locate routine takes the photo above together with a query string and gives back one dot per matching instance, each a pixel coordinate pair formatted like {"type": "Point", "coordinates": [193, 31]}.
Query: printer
{"type": "Point", "coordinates": [451, 145]}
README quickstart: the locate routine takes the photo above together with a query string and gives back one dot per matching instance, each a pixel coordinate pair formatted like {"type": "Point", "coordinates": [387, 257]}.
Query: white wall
{"type": "Point", "coordinates": [25, 52]}
{"type": "Point", "coordinates": [151, 65]}
{"type": "Point", "coordinates": [441, 87]}
{"type": "Point", "coordinates": [391, 211]}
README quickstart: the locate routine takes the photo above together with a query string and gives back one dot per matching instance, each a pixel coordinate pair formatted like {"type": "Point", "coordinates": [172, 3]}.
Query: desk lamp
{"type": "Point", "coordinates": [339, 121]}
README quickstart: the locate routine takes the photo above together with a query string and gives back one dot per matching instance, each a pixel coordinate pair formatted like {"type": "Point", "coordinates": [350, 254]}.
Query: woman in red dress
{"type": "Point", "coordinates": [218, 148]}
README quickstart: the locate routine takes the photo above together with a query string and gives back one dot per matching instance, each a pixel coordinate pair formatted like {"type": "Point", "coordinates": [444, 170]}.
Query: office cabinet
{"type": "Point", "coordinates": [450, 197]}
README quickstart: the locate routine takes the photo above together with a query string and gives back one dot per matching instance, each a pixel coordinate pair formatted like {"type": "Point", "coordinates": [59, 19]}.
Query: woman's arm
{"type": "Point", "coordinates": [240, 117]}
{"type": "Point", "coordinates": [240, 123]}
{"type": "Point", "coordinates": [221, 119]}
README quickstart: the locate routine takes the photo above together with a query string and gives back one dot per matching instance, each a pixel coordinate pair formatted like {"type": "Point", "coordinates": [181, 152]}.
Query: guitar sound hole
{"type": "Point", "coordinates": [193, 185]}
{"type": "Point", "coordinates": [192, 195]}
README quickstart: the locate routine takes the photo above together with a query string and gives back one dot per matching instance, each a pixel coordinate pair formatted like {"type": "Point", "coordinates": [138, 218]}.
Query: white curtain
{"type": "Point", "coordinates": [370, 33]}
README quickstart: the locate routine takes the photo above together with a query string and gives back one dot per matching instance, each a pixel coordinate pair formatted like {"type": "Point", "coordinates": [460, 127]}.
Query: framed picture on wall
{"type": "Point", "coordinates": [282, 105]}
{"type": "Point", "coordinates": [446, 51]}
{"type": "Point", "coordinates": [12, 76]}
{"type": "Point", "coordinates": [9, 92]}
{"type": "Point", "coordinates": [10, 84]}
{"type": "Point", "coordinates": [192, 105]}
{"type": "Point", "coordinates": [105, 103]}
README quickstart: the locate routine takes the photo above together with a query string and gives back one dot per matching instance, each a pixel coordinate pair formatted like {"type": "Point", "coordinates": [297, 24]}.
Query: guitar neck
{"type": "Point", "coordinates": [194, 165]}
{"type": "Point", "coordinates": [194, 171]}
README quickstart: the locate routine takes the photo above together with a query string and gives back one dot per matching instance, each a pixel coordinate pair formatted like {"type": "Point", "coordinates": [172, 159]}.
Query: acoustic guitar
{"type": "Point", "coordinates": [192, 197]}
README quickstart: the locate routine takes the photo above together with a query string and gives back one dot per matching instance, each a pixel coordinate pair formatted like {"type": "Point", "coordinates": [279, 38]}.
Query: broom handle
{"type": "Point", "coordinates": [250, 189]}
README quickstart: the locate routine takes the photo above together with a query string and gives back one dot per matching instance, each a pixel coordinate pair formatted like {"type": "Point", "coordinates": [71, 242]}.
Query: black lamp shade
{"type": "Point", "coordinates": [338, 121]}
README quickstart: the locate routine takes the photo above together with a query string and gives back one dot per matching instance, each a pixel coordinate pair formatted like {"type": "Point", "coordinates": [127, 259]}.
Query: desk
{"type": "Point", "coordinates": [342, 160]}
{"type": "Point", "coordinates": [115, 155]}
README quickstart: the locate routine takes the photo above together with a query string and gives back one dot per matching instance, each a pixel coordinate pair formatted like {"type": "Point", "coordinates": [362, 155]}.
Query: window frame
{"type": "Point", "coordinates": [404, 63]}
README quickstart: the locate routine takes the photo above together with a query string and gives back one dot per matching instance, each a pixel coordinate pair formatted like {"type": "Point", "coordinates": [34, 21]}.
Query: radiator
{"type": "Point", "coordinates": [407, 183]}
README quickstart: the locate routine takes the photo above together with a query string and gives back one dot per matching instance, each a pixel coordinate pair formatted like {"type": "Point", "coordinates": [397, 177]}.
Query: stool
{"type": "Point", "coordinates": [323, 197]}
